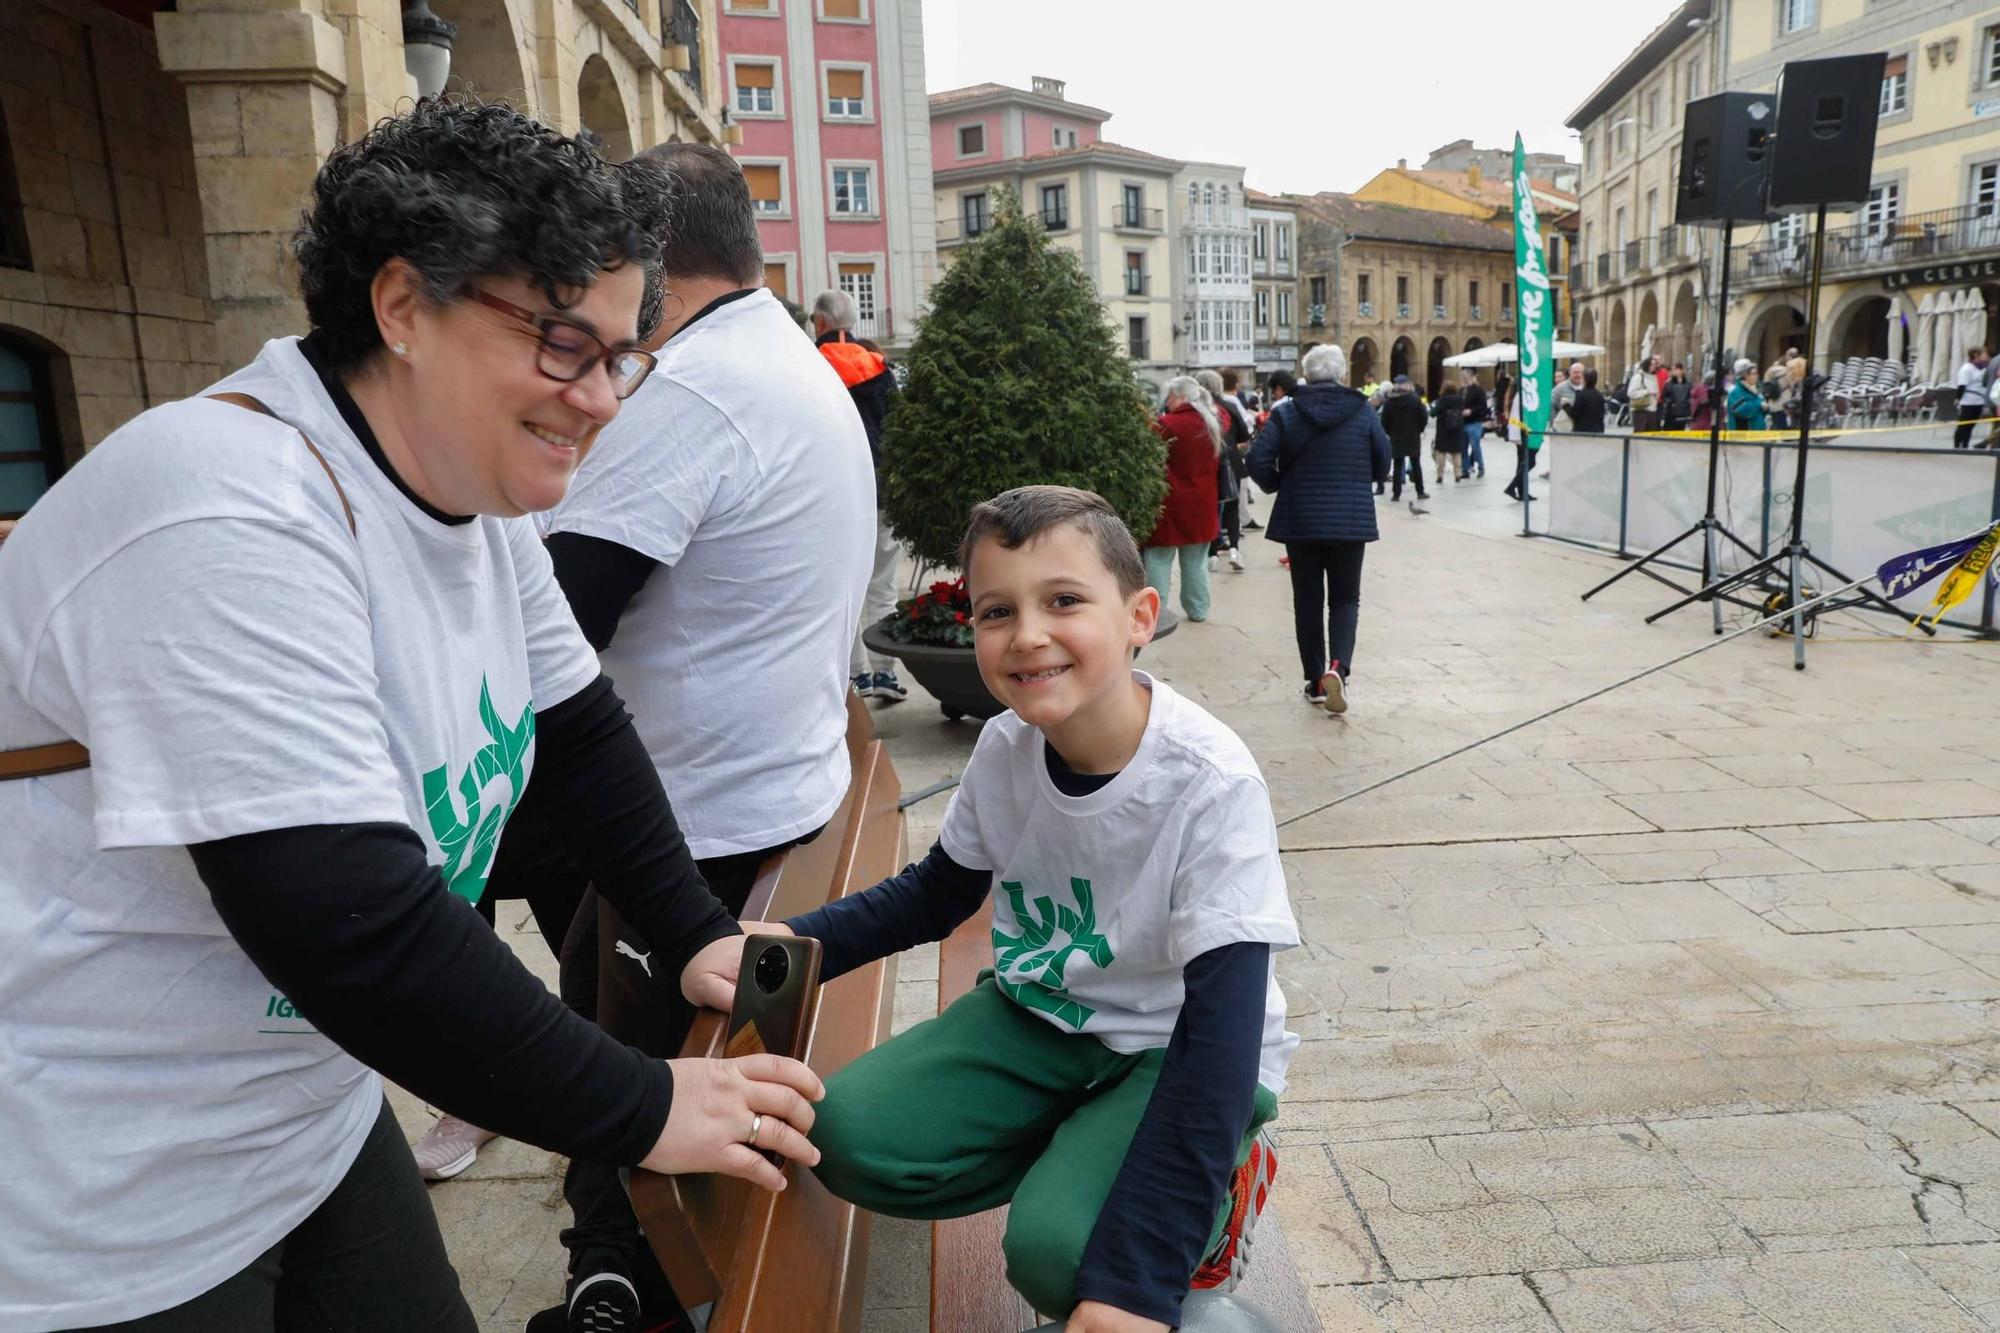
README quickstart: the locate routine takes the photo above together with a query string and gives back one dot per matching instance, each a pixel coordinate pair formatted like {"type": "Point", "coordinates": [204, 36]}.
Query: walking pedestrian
{"type": "Point", "coordinates": [1701, 403]}
{"type": "Point", "coordinates": [872, 387]}
{"type": "Point", "coordinates": [1642, 395]}
{"type": "Point", "coordinates": [317, 653]}
{"type": "Point", "coordinates": [1320, 452]}
{"type": "Point", "coordinates": [1973, 402]}
{"type": "Point", "coordinates": [1566, 390]}
{"type": "Point", "coordinates": [1448, 439]}
{"type": "Point", "coordinates": [1745, 405]}
{"type": "Point", "coordinates": [1586, 408]}
{"type": "Point", "coordinates": [1230, 470]}
{"type": "Point", "coordinates": [1280, 385]}
{"type": "Point", "coordinates": [1476, 412]}
{"type": "Point", "coordinates": [1189, 517]}
{"type": "Point", "coordinates": [1676, 399]}
{"type": "Point", "coordinates": [1524, 449]}
{"type": "Point", "coordinates": [1404, 419]}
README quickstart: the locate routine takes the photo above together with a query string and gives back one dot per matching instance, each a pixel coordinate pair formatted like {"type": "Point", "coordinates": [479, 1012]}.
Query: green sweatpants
{"type": "Point", "coordinates": [986, 1104]}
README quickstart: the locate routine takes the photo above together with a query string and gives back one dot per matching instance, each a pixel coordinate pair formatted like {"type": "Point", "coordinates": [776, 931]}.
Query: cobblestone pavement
{"type": "Point", "coordinates": [1680, 1010]}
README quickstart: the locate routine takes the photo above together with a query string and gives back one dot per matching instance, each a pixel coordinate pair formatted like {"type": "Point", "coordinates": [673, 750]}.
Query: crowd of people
{"type": "Point", "coordinates": [300, 675]}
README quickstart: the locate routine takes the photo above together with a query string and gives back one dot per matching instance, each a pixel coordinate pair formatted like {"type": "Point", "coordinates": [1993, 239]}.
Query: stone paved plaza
{"type": "Point", "coordinates": [1678, 1011]}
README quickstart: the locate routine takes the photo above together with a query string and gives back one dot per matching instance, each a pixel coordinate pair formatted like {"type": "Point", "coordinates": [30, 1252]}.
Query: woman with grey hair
{"type": "Point", "coordinates": [316, 650]}
{"type": "Point", "coordinates": [1745, 402]}
{"type": "Point", "coordinates": [1189, 517]}
{"type": "Point", "coordinates": [1321, 452]}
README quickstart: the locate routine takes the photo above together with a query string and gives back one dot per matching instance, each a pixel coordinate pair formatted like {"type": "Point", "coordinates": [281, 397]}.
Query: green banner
{"type": "Point", "coordinates": [1535, 314]}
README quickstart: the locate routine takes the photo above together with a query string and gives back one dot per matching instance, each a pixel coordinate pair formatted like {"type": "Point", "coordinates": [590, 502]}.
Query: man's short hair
{"type": "Point", "coordinates": [1977, 351]}
{"type": "Point", "coordinates": [1015, 518]}
{"type": "Point", "coordinates": [714, 230]}
{"type": "Point", "coordinates": [1284, 381]}
{"type": "Point", "coordinates": [836, 308]}
{"type": "Point", "coordinates": [1590, 379]}
{"type": "Point", "coordinates": [1230, 379]}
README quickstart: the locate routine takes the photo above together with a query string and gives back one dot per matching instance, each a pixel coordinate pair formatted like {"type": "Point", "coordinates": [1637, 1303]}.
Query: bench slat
{"type": "Point", "coordinates": [969, 1292]}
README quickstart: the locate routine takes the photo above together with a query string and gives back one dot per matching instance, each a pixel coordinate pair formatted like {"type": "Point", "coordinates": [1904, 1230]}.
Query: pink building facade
{"type": "Point", "coordinates": [836, 146]}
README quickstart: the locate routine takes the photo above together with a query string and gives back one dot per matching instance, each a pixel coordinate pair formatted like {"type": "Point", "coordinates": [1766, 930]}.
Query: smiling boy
{"type": "Point", "coordinates": [1110, 1076]}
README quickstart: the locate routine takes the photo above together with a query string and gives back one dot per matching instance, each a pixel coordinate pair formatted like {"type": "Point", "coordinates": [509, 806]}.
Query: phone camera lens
{"type": "Point", "coordinates": [773, 966]}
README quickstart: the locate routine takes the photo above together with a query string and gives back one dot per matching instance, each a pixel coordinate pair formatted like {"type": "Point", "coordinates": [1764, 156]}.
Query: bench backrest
{"type": "Point", "coordinates": [794, 1260]}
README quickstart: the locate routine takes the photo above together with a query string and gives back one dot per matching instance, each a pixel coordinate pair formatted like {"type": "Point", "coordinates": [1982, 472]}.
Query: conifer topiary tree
{"type": "Point", "coordinates": [1015, 379]}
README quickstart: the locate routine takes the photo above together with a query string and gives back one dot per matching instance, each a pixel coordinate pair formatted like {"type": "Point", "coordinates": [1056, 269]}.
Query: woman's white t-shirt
{"type": "Point", "coordinates": [1100, 901]}
{"type": "Point", "coordinates": [189, 603]}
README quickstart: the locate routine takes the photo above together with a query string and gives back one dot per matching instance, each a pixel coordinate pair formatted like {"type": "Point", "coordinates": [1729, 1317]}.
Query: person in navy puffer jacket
{"type": "Point", "coordinates": [1322, 451]}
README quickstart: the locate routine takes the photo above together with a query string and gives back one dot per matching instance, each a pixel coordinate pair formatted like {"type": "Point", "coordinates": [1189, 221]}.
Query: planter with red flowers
{"type": "Point", "coordinates": [931, 634]}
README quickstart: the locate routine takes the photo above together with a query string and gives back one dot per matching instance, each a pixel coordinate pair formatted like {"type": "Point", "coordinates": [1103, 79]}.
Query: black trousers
{"type": "Point", "coordinates": [1230, 537]}
{"type": "Point", "coordinates": [1326, 578]}
{"type": "Point", "coordinates": [1962, 437]}
{"type": "Point", "coordinates": [1414, 462]}
{"type": "Point", "coordinates": [1524, 464]}
{"type": "Point", "coordinates": [369, 1258]}
{"type": "Point", "coordinates": [649, 1012]}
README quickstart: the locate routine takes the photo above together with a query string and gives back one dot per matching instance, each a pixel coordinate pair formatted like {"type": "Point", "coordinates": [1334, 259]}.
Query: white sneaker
{"type": "Point", "coordinates": [451, 1146]}
{"type": "Point", "coordinates": [1336, 692]}
{"type": "Point", "coordinates": [1214, 563]}
{"type": "Point", "coordinates": [1236, 560]}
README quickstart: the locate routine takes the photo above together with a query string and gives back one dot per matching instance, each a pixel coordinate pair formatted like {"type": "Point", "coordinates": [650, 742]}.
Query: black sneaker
{"type": "Point", "coordinates": [602, 1296]}
{"type": "Point", "coordinates": [1315, 694]}
{"type": "Point", "coordinates": [1252, 525]}
{"type": "Point", "coordinates": [887, 688]}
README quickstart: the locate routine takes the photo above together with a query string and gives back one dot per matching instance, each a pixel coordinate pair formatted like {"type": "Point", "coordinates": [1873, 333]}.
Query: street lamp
{"type": "Point", "coordinates": [427, 43]}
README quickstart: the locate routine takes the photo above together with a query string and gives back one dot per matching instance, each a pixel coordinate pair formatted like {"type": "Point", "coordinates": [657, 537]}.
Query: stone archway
{"type": "Point", "coordinates": [1401, 354]}
{"type": "Point", "coordinates": [1649, 319]}
{"type": "Point", "coordinates": [1858, 328]}
{"type": "Point", "coordinates": [1684, 318]}
{"type": "Point", "coordinates": [490, 60]}
{"type": "Point", "coordinates": [1773, 327]}
{"type": "Point", "coordinates": [1434, 366]}
{"type": "Point", "coordinates": [1361, 362]}
{"type": "Point", "coordinates": [1617, 350]}
{"type": "Point", "coordinates": [1586, 327]}
{"type": "Point", "coordinates": [601, 110]}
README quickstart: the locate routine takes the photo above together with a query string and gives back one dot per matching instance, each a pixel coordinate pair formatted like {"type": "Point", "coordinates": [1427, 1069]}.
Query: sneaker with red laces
{"type": "Point", "coordinates": [1249, 1189]}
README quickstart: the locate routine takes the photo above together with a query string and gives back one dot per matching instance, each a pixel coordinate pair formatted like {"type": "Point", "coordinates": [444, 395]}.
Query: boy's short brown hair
{"type": "Point", "coordinates": [1016, 517]}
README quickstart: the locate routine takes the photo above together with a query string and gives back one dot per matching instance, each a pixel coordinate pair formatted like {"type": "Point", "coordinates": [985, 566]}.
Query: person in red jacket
{"type": "Point", "coordinates": [1190, 518]}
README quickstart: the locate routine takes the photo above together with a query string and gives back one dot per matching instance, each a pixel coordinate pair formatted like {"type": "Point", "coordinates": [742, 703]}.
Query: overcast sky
{"type": "Point", "coordinates": [1307, 94]}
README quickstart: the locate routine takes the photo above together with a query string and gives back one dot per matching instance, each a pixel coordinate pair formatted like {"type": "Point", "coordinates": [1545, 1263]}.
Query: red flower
{"type": "Point", "coordinates": [961, 617]}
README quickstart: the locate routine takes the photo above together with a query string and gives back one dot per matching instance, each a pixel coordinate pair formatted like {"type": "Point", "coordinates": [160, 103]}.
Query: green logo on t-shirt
{"type": "Point", "coordinates": [1034, 951]}
{"type": "Point", "coordinates": [468, 842]}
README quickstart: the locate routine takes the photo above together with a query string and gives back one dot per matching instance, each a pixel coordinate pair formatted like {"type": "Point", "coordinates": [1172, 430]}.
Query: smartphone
{"type": "Point", "coordinates": [777, 994]}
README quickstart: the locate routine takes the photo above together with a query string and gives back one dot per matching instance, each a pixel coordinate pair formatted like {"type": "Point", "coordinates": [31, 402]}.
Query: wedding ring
{"type": "Point", "coordinates": [756, 1123]}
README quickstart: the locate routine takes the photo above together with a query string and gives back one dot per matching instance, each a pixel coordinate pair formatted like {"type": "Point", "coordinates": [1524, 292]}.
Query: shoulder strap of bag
{"type": "Point", "coordinates": [41, 761]}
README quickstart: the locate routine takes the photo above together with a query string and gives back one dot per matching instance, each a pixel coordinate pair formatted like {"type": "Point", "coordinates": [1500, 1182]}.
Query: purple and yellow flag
{"type": "Point", "coordinates": [1962, 563]}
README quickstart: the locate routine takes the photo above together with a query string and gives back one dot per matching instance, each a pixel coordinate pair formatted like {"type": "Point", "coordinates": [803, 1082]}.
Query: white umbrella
{"type": "Point", "coordinates": [1963, 334]}
{"type": "Point", "coordinates": [1920, 364]}
{"type": "Point", "coordinates": [1944, 332]}
{"type": "Point", "coordinates": [1972, 320]}
{"type": "Point", "coordinates": [1899, 351]}
{"type": "Point", "coordinates": [1563, 351]}
{"type": "Point", "coordinates": [1499, 354]}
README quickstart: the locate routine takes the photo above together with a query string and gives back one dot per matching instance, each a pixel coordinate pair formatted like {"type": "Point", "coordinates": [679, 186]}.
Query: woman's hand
{"type": "Point", "coordinates": [1097, 1317]}
{"type": "Point", "coordinates": [716, 1102]}
{"type": "Point", "coordinates": [709, 979]}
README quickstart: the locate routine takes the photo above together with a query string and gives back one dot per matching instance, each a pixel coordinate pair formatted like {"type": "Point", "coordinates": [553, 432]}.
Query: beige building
{"type": "Point", "coordinates": [1275, 312]}
{"type": "Point", "coordinates": [153, 167]}
{"type": "Point", "coordinates": [1402, 288]}
{"type": "Point", "coordinates": [1932, 223]}
{"type": "Point", "coordinates": [1637, 280]}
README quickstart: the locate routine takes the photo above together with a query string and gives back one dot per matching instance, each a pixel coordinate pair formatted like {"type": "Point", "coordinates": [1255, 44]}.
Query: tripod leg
{"type": "Point", "coordinates": [1709, 568]}
{"type": "Point", "coordinates": [1798, 615]}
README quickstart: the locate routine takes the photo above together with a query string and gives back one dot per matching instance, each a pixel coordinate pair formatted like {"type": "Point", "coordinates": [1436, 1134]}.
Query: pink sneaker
{"type": "Point", "coordinates": [451, 1146]}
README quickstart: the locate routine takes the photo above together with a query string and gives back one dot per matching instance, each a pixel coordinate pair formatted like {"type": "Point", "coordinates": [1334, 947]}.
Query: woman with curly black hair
{"type": "Point", "coordinates": [314, 650]}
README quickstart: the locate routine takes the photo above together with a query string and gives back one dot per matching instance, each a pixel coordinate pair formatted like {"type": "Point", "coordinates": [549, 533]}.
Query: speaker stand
{"type": "Point", "coordinates": [1783, 570]}
{"type": "Point", "coordinates": [1710, 528]}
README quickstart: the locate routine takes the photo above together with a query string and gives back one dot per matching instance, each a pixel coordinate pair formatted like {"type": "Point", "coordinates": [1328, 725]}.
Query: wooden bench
{"type": "Point", "coordinates": [797, 1260]}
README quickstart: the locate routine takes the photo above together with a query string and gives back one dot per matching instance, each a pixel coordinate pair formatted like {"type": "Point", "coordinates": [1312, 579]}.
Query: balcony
{"type": "Point", "coordinates": [1124, 217]}
{"type": "Point", "coordinates": [1914, 241]}
{"type": "Point", "coordinates": [1438, 312]}
{"type": "Point", "coordinates": [1576, 278]}
{"type": "Point", "coordinates": [682, 26]}
{"type": "Point", "coordinates": [958, 230]}
{"type": "Point", "coordinates": [1403, 310]}
{"type": "Point", "coordinates": [1316, 315]}
{"type": "Point", "coordinates": [1476, 313]}
{"type": "Point", "coordinates": [1366, 309]}
{"type": "Point", "coordinates": [1214, 215]}
{"type": "Point", "coordinates": [1506, 314]}
{"type": "Point", "coordinates": [1607, 267]}
{"type": "Point", "coordinates": [1055, 219]}
{"type": "Point", "coordinates": [1135, 283]}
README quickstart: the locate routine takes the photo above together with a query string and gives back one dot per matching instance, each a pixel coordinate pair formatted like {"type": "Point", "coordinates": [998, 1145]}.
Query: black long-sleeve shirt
{"type": "Point", "coordinates": [1149, 1235]}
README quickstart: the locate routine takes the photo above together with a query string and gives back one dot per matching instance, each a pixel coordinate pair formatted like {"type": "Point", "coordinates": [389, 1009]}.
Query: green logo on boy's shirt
{"type": "Point", "coordinates": [1037, 960]}
{"type": "Point", "coordinates": [468, 843]}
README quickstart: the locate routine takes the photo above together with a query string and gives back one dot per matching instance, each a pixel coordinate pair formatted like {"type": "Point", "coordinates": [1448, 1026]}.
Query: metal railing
{"type": "Point", "coordinates": [1638, 256]}
{"type": "Point", "coordinates": [1055, 219]}
{"type": "Point", "coordinates": [1366, 309]}
{"type": "Point", "coordinates": [1437, 312]}
{"type": "Point", "coordinates": [1606, 267]}
{"type": "Point", "coordinates": [1135, 283]}
{"type": "Point", "coordinates": [1908, 241]}
{"type": "Point", "coordinates": [1476, 313]}
{"type": "Point", "coordinates": [1577, 282]}
{"type": "Point", "coordinates": [1214, 215]}
{"type": "Point", "coordinates": [1126, 218]}
{"type": "Point", "coordinates": [954, 230]}
{"type": "Point", "coordinates": [1403, 311]}
{"type": "Point", "coordinates": [682, 25]}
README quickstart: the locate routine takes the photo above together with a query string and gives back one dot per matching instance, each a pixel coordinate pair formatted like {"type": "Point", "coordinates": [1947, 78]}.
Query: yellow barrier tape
{"type": "Point", "coordinates": [1755, 436]}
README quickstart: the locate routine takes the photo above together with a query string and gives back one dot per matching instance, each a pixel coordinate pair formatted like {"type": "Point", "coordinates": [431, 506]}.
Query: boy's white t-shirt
{"type": "Point", "coordinates": [743, 466]}
{"type": "Point", "coordinates": [1100, 901]}
{"type": "Point", "coordinates": [189, 603]}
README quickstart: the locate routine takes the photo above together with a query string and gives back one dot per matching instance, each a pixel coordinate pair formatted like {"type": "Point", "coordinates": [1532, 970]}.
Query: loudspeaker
{"type": "Point", "coordinates": [1725, 150]}
{"type": "Point", "coordinates": [1826, 150]}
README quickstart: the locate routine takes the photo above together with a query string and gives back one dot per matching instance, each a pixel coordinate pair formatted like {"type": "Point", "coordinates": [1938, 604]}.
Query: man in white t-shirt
{"type": "Point", "coordinates": [1973, 403]}
{"type": "Point", "coordinates": [715, 547]}
{"type": "Point", "coordinates": [1109, 1078]}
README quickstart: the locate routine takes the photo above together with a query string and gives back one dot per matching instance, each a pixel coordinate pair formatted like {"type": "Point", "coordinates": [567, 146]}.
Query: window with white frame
{"type": "Point", "coordinates": [756, 89]}
{"type": "Point", "coordinates": [1796, 15]}
{"type": "Point", "coordinates": [846, 94]}
{"type": "Point", "coordinates": [1201, 334]}
{"type": "Point", "coordinates": [1284, 308]}
{"type": "Point", "coordinates": [1986, 189]}
{"type": "Point", "coordinates": [1062, 136]}
{"type": "Point", "coordinates": [857, 279]}
{"type": "Point", "coordinates": [854, 191]}
{"type": "Point", "coordinates": [1135, 272]}
{"type": "Point", "coordinates": [1789, 230]}
{"type": "Point", "coordinates": [1895, 86]}
{"type": "Point", "coordinates": [1652, 108]}
{"type": "Point", "coordinates": [1284, 233]}
{"type": "Point", "coordinates": [1259, 237]}
{"type": "Point", "coordinates": [1694, 79]}
{"type": "Point", "coordinates": [1884, 206]}
{"type": "Point", "coordinates": [1201, 249]}
{"type": "Point", "coordinates": [1263, 307]}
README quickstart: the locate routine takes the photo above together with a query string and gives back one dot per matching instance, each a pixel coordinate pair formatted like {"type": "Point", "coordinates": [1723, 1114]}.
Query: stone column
{"type": "Point", "coordinates": [267, 82]}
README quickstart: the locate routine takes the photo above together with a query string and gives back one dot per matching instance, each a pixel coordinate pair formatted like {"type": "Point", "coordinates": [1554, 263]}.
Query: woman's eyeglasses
{"type": "Point", "coordinates": [569, 352]}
